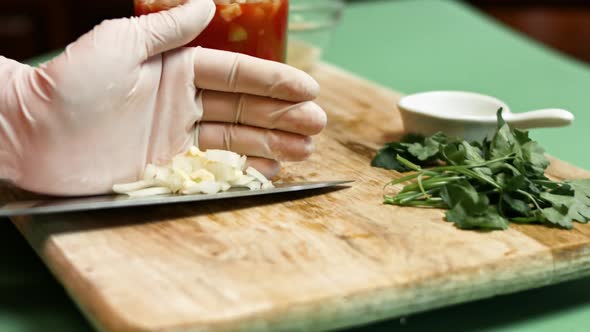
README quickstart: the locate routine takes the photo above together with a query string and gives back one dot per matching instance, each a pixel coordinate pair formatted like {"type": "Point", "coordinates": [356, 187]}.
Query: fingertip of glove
{"type": "Point", "coordinates": [200, 4]}
{"type": "Point", "coordinates": [177, 26]}
{"type": "Point", "coordinates": [313, 87]}
{"type": "Point", "coordinates": [212, 10]}
{"type": "Point", "coordinates": [305, 88]}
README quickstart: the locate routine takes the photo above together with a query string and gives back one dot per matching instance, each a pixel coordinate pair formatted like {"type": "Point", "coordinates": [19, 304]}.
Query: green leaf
{"type": "Point", "coordinates": [517, 205]}
{"type": "Point", "coordinates": [565, 208]}
{"type": "Point", "coordinates": [454, 193]}
{"type": "Point", "coordinates": [454, 154]}
{"type": "Point", "coordinates": [581, 209]}
{"type": "Point", "coordinates": [514, 183]}
{"type": "Point", "coordinates": [412, 138]}
{"type": "Point", "coordinates": [558, 217]}
{"type": "Point", "coordinates": [522, 136]}
{"type": "Point", "coordinates": [464, 194]}
{"type": "Point", "coordinates": [473, 154]}
{"type": "Point", "coordinates": [503, 144]}
{"type": "Point", "coordinates": [490, 219]}
{"type": "Point", "coordinates": [533, 188]}
{"type": "Point", "coordinates": [424, 151]}
{"type": "Point", "coordinates": [484, 146]}
{"type": "Point", "coordinates": [439, 137]}
{"type": "Point", "coordinates": [503, 178]}
{"type": "Point", "coordinates": [462, 153]}
{"type": "Point", "coordinates": [558, 200]}
{"type": "Point", "coordinates": [387, 158]}
{"type": "Point", "coordinates": [428, 148]}
{"type": "Point", "coordinates": [485, 173]}
{"type": "Point", "coordinates": [415, 148]}
{"type": "Point", "coordinates": [532, 160]}
{"type": "Point", "coordinates": [581, 188]}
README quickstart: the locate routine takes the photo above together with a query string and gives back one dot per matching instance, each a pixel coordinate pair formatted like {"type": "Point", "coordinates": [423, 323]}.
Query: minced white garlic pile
{"type": "Point", "coordinates": [196, 172]}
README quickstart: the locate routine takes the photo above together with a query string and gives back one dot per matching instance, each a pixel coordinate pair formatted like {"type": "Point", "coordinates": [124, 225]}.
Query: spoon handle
{"type": "Point", "coordinates": [546, 118]}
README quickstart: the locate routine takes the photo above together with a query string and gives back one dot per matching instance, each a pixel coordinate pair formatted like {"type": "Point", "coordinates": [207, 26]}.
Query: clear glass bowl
{"type": "Point", "coordinates": [311, 23]}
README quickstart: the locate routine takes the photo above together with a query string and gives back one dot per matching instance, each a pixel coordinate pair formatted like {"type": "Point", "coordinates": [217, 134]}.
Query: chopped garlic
{"type": "Point", "coordinates": [242, 181]}
{"type": "Point", "coordinates": [155, 191]}
{"type": "Point", "coordinates": [228, 158]}
{"type": "Point", "coordinates": [253, 172]}
{"type": "Point", "coordinates": [265, 183]}
{"type": "Point", "coordinates": [195, 152]}
{"type": "Point", "coordinates": [124, 188]}
{"type": "Point", "coordinates": [254, 185]}
{"type": "Point", "coordinates": [205, 187]}
{"type": "Point", "coordinates": [196, 172]}
{"type": "Point", "coordinates": [201, 175]}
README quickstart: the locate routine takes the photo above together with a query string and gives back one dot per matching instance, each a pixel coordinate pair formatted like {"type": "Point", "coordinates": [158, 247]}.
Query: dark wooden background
{"type": "Point", "coordinates": [30, 27]}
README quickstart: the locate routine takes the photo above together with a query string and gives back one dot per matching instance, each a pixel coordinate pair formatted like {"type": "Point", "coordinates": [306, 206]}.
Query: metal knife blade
{"type": "Point", "coordinates": [60, 205]}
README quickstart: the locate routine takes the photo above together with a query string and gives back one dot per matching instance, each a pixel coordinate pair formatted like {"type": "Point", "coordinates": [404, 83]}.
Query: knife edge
{"type": "Point", "coordinates": [61, 205]}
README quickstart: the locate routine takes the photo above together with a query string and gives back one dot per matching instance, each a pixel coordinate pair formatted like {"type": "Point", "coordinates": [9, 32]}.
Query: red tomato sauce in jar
{"type": "Point", "coordinates": [255, 27]}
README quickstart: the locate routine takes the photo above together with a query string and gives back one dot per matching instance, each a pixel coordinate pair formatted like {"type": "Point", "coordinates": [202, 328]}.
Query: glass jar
{"type": "Point", "coordinates": [311, 24]}
{"type": "Point", "coordinates": [253, 27]}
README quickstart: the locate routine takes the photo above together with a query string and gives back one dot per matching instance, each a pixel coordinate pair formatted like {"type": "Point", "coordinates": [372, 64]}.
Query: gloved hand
{"type": "Point", "coordinates": [124, 95]}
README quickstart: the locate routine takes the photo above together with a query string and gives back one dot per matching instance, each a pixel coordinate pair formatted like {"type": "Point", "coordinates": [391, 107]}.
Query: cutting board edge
{"type": "Point", "coordinates": [368, 306]}
{"type": "Point", "coordinates": [363, 312]}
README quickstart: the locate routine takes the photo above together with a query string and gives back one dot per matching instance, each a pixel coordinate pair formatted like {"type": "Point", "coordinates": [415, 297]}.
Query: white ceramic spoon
{"type": "Point", "coordinates": [469, 115]}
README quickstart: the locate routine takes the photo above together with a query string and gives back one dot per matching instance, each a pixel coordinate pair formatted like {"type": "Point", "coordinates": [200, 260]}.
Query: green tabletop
{"type": "Point", "coordinates": [411, 45]}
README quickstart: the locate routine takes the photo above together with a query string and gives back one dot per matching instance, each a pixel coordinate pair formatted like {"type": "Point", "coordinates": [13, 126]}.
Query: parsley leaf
{"type": "Point", "coordinates": [568, 207]}
{"type": "Point", "coordinates": [488, 219]}
{"type": "Point", "coordinates": [414, 148]}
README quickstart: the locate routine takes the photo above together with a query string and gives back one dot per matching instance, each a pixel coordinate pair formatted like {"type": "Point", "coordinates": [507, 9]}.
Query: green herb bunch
{"type": "Point", "coordinates": [484, 185]}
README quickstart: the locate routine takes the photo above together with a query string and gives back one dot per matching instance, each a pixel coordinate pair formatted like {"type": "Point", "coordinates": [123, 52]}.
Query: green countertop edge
{"type": "Point", "coordinates": [528, 76]}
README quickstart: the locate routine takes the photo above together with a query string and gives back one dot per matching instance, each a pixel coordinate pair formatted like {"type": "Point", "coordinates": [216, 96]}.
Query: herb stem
{"type": "Point", "coordinates": [484, 164]}
{"type": "Point", "coordinates": [520, 191]}
{"type": "Point", "coordinates": [420, 185]}
{"type": "Point", "coordinates": [425, 203]}
{"type": "Point", "coordinates": [431, 183]}
{"type": "Point", "coordinates": [408, 163]}
{"type": "Point", "coordinates": [402, 179]}
{"type": "Point", "coordinates": [410, 196]}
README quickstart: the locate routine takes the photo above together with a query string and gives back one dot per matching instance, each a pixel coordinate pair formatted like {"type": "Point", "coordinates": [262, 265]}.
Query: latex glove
{"type": "Point", "coordinates": [125, 95]}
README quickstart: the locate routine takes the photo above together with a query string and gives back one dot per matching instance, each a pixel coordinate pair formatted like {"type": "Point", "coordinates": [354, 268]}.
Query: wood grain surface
{"type": "Point", "coordinates": [302, 261]}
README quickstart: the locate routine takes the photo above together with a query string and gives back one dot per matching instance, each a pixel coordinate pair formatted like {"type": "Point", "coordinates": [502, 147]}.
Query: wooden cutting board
{"type": "Point", "coordinates": [298, 261]}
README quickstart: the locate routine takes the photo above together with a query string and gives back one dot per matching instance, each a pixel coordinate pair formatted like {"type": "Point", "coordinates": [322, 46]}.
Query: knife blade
{"type": "Point", "coordinates": [60, 205]}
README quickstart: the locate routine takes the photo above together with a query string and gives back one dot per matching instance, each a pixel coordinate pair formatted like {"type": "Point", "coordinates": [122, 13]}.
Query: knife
{"type": "Point", "coordinates": [59, 205]}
